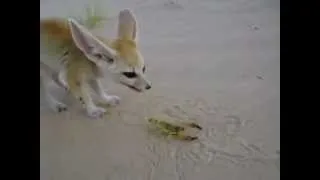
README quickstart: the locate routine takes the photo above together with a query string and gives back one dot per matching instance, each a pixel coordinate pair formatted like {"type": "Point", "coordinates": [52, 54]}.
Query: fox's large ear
{"type": "Point", "coordinates": [85, 41]}
{"type": "Point", "coordinates": [127, 27]}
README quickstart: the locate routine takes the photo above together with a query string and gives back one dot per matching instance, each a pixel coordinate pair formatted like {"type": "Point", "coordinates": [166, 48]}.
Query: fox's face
{"type": "Point", "coordinates": [129, 68]}
{"type": "Point", "coordinates": [121, 57]}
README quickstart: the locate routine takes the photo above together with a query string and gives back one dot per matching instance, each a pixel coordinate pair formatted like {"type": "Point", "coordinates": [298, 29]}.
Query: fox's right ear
{"type": "Point", "coordinates": [127, 25]}
{"type": "Point", "coordinates": [85, 40]}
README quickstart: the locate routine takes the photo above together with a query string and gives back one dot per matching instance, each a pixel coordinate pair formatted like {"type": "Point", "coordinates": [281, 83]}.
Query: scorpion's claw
{"type": "Point", "coordinates": [194, 125]}
{"type": "Point", "coordinates": [190, 138]}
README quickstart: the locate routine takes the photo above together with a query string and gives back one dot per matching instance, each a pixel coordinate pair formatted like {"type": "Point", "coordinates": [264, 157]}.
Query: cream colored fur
{"type": "Point", "coordinates": [76, 59]}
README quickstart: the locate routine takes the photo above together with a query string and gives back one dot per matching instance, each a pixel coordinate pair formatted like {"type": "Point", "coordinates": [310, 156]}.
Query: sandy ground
{"type": "Point", "coordinates": [216, 62]}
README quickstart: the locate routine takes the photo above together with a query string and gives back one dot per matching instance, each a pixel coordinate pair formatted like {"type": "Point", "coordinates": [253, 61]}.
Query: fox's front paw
{"type": "Point", "coordinates": [58, 106]}
{"type": "Point", "coordinates": [111, 100]}
{"type": "Point", "coordinates": [96, 112]}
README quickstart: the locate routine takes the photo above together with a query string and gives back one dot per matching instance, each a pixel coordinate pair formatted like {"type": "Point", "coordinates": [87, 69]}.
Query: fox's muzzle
{"type": "Point", "coordinates": [131, 87]}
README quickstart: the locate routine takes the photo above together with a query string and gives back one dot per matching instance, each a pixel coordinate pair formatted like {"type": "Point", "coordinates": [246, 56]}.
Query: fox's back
{"type": "Point", "coordinates": [55, 30]}
{"type": "Point", "coordinates": [57, 48]}
{"type": "Point", "coordinates": [55, 34]}
{"type": "Point", "coordinates": [55, 40]}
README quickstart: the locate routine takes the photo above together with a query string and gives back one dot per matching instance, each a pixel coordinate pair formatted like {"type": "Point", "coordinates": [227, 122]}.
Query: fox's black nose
{"type": "Point", "coordinates": [148, 87]}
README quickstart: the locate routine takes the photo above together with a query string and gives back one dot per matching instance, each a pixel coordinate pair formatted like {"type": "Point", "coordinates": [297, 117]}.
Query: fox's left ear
{"type": "Point", "coordinates": [127, 25]}
{"type": "Point", "coordinates": [85, 40]}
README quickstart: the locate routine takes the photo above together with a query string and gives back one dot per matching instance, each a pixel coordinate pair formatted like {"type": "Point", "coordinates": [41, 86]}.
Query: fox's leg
{"type": "Point", "coordinates": [59, 79]}
{"type": "Point", "coordinates": [53, 103]}
{"type": "Point", "coordinates": [81, 90]}
{"type": "Point", "coordinates": [98, 88]}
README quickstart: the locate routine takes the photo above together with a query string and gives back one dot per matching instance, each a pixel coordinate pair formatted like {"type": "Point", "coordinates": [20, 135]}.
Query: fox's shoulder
{"type": "Point", "coordinates": [55, 28]}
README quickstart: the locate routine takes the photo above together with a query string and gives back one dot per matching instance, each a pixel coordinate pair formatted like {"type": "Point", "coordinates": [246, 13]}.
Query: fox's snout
{"type": "Point", "coordinates": [142, 84]}
{"type": "Point", "coordinates": [148, 86]}
{"type": "Point", "coordinates": [137, 86]}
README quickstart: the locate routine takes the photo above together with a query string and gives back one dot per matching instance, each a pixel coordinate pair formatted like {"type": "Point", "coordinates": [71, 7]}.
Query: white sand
{"type": "Point", "coordinates": [215, 61]}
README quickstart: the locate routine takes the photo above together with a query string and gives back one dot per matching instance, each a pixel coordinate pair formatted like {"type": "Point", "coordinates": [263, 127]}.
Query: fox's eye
{"type": "Point", "coordinates": [130, 75]}
{"type": "Point", "coordinates": [110, 60]}
{"type": "Point", "coordinates": [144, 69]}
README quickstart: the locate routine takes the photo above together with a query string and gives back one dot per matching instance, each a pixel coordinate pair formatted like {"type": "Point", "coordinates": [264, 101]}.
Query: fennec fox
{"type": "Point", "coordinates": [75, 59]}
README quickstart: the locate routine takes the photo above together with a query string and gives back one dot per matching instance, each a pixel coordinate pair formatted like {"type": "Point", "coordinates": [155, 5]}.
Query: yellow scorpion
{"type": "Point", "coordinates": [174, 130]}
